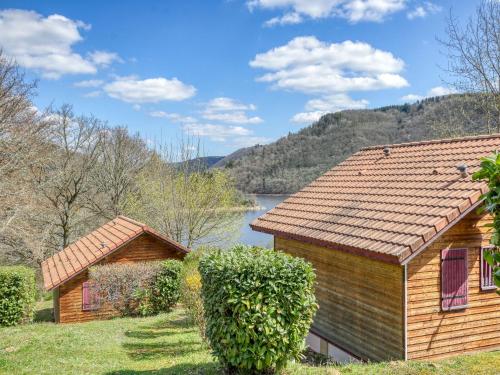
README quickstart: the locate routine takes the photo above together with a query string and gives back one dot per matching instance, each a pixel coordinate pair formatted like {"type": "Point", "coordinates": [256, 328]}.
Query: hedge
{"type": "Point", "coordinates": [166, 286]}
{"type": "Point", "coordinates": [17, 295]}
{"type": "Point", "coordinates": [259, 305]}
{"type": "Point", "coordinates": [142, 288]}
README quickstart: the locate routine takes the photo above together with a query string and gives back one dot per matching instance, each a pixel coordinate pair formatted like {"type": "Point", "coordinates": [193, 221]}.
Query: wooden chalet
{"type": "Point", "coordinates": [122, 240]}
{"type": "Point", "coordinates": [396, 239]}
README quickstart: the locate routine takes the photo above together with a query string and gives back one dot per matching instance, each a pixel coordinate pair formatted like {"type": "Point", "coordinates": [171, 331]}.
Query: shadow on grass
{"type": "Point", "coordinates": [43, 315]}
{"type": "Point", "coordinates": [144, 351]}
{"type": "Point", "coordinates": [185, 368]}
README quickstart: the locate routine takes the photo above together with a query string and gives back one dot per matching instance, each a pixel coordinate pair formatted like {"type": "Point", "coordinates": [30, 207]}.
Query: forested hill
{"type": "Point", "coordinates": [293, 161]}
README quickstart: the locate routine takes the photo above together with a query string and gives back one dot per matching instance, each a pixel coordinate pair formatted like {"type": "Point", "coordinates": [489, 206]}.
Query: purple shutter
{"type": "Point", "coordinates": [454, 274]}
{"type": "Point", "coordinates": [487, 282]}
{"type": "Point", "coordinates": [86, 296]}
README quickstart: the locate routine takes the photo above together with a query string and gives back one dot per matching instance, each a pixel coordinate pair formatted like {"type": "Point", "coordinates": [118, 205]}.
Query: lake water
{"type": "Point", "coordinates": [247, 235]}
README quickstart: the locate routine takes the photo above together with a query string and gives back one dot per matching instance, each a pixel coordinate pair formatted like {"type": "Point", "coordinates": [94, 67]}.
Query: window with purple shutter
{"type": "Point", "coordinates": [487, 282]}
{"type": "Point", "coordinates": [90, 297]}
{"type": "Point", "coordinates": [454, 275]}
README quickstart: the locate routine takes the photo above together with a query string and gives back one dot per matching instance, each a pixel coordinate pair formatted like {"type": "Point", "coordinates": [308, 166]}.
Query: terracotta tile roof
{"type": "Point", "coordinates": [92, 248]}
{"type": "Point", "coordinates": [387, 207]}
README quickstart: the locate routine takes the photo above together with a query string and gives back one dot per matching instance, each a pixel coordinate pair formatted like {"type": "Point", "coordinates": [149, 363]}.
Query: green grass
{"type": "Point", "coordinates": [165, 344]}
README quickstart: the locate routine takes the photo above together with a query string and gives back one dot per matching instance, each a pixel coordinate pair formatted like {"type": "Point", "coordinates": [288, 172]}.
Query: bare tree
{"type": "Point", "coordinates": [473, 53]}
{"type": "Point", "coordinates": [64, 181]}
{"type": "Point", "coordinates": [121, 159]}
{"type": "Point", "coordinates": [22, 137]}
{"type": "Point", "coordinates": [178, 196]}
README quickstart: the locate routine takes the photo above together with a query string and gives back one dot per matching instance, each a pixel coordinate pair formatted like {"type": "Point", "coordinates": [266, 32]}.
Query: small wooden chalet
{"type": "Point", "coordinates": [397, 242]}
{"type": "Point", "coordinates": [121, 240]}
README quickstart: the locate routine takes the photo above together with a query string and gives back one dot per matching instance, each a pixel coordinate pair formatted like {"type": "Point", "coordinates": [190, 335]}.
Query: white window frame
{"type": "Point", "coordinates": [483, 287]}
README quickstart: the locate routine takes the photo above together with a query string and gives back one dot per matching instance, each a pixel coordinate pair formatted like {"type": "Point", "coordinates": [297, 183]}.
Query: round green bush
{"type": "Point", "coordinates": [17, 295]}
{"type": "Point", "coordinates": [165, 291]}
{"type": "Point", "coordinates": [259, 305]}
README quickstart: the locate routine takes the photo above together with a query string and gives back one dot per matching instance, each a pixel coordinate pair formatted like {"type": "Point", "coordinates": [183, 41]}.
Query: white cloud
{"type": "Point", "coordinates": [328, 104]}
{"type": "Point", "coordinates": [228, 104]}
{"type": "Point", "coordinates": [352, 10]}
{"type": "Point", "coordinates": [440, 91]}
{"type": "Point", "coordinates": [335, 103]}
{"type": "Point", "coordinates": [307, 117]}
{"type": "Point", "coordinates": [308, 65]}
{"type": "Point", "coordinates": [89, 83]}
{"type": "Point", "coordinates": [217, 133]}
{"type": "Point", "coordinates": [287, 19]}
{"type": "Point", "coordinates": [44, 44]}
{"type": "Point", "coordinates": [151, 90]}
{"type": "Point", "coordinates": [423, 10]}
{"type": "Point", "coordinates": [435, 91]}
{"type": "Point", "coordinates": [229, 111]}
{"type": "Point", "coordinates": [136, 107]}
{"type": "Point", "coordinates": [237, 117]}
{"type": "Point", "coordinates": [93, 94]}
{"type": "Point", "coordinates": [412, 97]}
{"type": "Point", "coordinates": [104, 58]}
{"type": "Point", "coordinates": [236, 136]}
{"type": "Point", "coordinates": [175, 117]}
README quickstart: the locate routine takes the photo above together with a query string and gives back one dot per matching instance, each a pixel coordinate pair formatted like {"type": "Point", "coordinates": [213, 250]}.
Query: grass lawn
{"type": "Point", "coordinates": [165, 344]}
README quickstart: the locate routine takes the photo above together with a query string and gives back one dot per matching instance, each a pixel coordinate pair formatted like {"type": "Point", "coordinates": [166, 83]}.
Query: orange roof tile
{"type": "Point", "coordinates": [95, 246]}
{"type": "Point", "coordinates": [387, 207]}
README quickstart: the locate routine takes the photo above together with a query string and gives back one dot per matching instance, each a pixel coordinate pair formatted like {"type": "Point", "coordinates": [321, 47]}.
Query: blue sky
{"type": "Point", "coordinates": [233, 73]}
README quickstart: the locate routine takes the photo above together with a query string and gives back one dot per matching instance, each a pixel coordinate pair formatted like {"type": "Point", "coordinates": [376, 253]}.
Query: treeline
{"type": "Point", "coordinates": [63, 174]}
{"type": "Point", "coordinates": [293, 161]}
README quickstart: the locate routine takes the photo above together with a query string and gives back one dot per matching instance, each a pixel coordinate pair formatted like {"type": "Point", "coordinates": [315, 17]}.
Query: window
{"type": "Point", "coordinates": [90, 297]}
{"type": "Point", "coordinates": [487, 282]}
{"type": "Point", "coordinates": [454, 275]}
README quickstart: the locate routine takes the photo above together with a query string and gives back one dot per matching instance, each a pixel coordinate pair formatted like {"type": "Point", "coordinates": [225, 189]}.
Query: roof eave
{"type": "Point", "coordinates": [387, 258]}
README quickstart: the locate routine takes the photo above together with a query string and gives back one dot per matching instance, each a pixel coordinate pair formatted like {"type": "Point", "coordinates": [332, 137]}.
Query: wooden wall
{"type": "Point", "coordinates": [143, 248]}
{"type": "Point", "coordinates": [433, 333]}
{"type": "Point", "coordinates": [360, 301]}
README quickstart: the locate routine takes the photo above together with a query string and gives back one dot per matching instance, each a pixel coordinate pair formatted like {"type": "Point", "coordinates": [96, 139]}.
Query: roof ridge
{"type": "Point", "coordinates": [434, 141]}
{"type": "Point", "coordinates": [132, 221]}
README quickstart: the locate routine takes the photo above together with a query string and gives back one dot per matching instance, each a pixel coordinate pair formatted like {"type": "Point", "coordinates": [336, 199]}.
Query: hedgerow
{"type": "Point", "coordinates": [144, 288]}
{"type": "Point", "coordinates": [165, 289]}
{"type": "Point", "coordinates": [17, 295]}
{"type": "Point", "coordinates": [259, 305]}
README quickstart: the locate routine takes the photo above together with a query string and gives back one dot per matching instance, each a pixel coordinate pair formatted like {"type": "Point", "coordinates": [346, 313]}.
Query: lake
{"type": "Point", "coordinates": [247, 235]}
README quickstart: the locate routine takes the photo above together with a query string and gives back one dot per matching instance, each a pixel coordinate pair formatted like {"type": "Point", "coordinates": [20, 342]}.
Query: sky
{"type": "Point", "coordinates": [231, 73]}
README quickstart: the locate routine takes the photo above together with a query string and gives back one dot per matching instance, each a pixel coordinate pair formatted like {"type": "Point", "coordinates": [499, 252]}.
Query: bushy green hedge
{"type": "Point", "coordinates": [259, 305]}
{"type": "Point", "coordinates": [142, 288]}
{"type": "Point", "coordinates": [166, 286]}
{"type": "Point", "coordinates": [17, 295]}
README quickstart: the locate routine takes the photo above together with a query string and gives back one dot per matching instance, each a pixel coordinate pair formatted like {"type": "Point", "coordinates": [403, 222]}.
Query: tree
{"type": "Point", "coordinates": [490, 172]}
{"type": "Point", "coordinates": [182, 199]}
{"type": "Point", "coordinates": [64, 181]}
{"type": "Point", "coordinates": [473, 53]}
{"type": "Point", "coordinates": [22, 138]}
{"type": "Point", "coordinates": [121, 158]}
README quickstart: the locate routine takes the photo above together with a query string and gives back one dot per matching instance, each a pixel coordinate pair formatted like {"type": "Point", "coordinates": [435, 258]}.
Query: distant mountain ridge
{"type": "Point", "coordinates": [293, 161]}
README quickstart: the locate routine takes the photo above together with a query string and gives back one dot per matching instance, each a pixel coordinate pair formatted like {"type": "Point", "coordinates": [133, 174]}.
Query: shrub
{"type": "Point", "coordinates": [17, 295]}
{"type": "Point", "coordinates": [165, 291]}
{"type": "Point", "coordinates": [191, 289]}
{"type": "Point", "coordinates": [125, 286]}
{"type": "Point", "coordinates": [259, 305]}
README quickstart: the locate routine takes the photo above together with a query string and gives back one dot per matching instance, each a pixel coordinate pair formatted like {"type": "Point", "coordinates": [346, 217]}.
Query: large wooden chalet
{"type": "Point", "coordinates": [396, 239]}
{"type": "Point", "coordinates": [122, 240]}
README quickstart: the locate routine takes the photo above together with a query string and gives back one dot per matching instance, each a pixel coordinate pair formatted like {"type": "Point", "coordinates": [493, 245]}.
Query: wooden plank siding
{"type": "Point", "coordinates": [143, 248]}
{"type": "Point", "coordinates": [360, 301]}
{"type": "Point", "coordinates": [433, 333]}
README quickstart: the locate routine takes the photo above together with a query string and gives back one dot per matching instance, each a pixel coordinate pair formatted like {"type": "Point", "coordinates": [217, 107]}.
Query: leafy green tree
{"type": "Point", "coordinates": [490, 171]}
